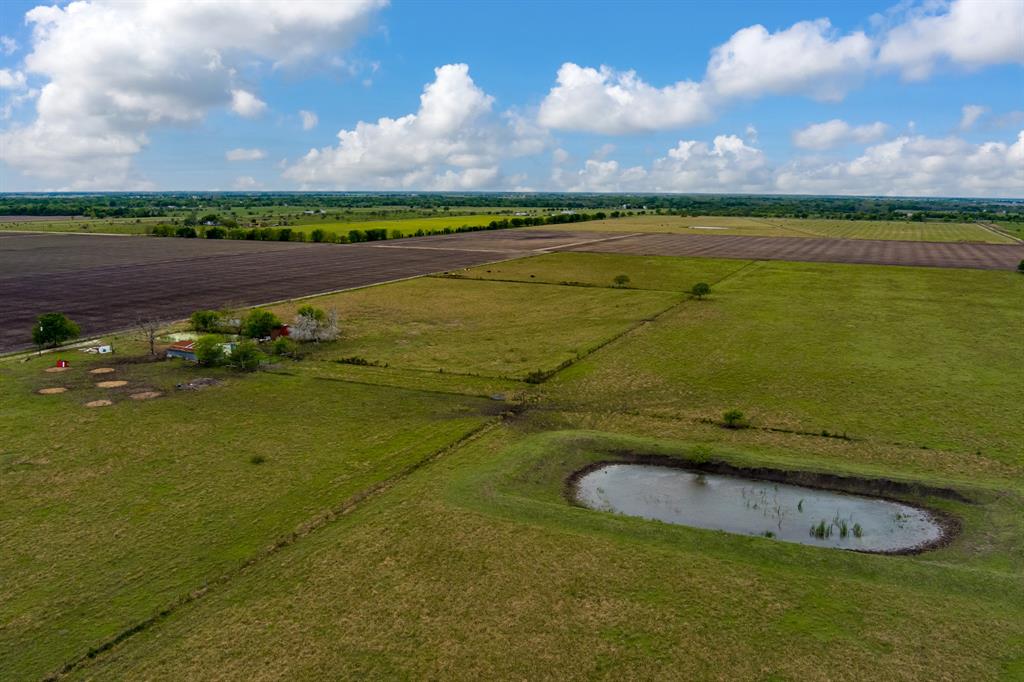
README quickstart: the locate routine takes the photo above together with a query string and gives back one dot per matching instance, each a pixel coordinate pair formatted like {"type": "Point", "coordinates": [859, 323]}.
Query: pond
{"type": "Point", "coordinates": [748, 506]}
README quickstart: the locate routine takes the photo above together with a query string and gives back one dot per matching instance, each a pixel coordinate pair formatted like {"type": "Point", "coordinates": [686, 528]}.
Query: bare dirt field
{"type": "Point", "coordinates": [105, 283]}
{"type": "Point", "coordinates": [866, 251]}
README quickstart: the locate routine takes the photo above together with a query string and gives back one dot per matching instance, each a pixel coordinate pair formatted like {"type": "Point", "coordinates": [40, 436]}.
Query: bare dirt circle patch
{"type": "Point", "coordinates": [57, 369]}
{"type": "Point", "coordinates": [98, 403]}
{"type": "Point", "coordinates": [101, 370]}
{"type": "Point", "coordinates": [145, 395]}
{"type": "Point", "coordinates": [52, 391]}
{"type": "Point", "coordinates": [111, 384]}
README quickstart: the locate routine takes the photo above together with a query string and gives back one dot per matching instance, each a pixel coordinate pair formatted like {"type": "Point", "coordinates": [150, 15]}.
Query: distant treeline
{"type": "Point", "coordinates": [287, 234]}
{"type": "Point", "coordinates": [127, 205]}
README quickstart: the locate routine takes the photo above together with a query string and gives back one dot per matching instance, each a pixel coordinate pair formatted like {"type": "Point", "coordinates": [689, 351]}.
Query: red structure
{"type": "Point", "coordinates": [63, 363]}
{"type": "Point", "coordinates": [279, 332]}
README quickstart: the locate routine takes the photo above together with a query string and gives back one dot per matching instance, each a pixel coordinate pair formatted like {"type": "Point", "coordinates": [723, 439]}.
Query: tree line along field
{"type": "Point", "coordinates": [407, 518]}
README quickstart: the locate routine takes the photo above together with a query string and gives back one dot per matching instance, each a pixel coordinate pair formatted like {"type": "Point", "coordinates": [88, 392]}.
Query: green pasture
{"type": "Point", "coordinates": [407, 517]}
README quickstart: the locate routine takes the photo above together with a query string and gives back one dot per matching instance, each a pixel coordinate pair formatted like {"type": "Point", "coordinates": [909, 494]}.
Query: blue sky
{"type": "Point", "coordinates": [890, 99]}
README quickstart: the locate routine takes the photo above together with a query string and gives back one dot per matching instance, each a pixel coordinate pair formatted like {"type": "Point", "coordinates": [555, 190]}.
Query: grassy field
{"type": "Point", "coordinates": [796, 227]}
{"type": "Point", "coordinates": [406, 226]}
{"type": "Point", "coordinates": [468, 562]}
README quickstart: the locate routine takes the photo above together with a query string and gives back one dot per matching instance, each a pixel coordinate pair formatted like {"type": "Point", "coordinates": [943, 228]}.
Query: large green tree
{"type": "Point", "coordinates": [53, 329]}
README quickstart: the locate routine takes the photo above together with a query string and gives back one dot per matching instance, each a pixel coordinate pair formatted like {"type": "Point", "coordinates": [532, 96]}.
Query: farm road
{"type": "Point", "coordinates": [105, 283]}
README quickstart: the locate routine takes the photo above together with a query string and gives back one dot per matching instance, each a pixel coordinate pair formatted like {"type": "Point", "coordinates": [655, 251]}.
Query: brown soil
{"type": "Point", "coordinates": [52, 391]}
{"type": "Point", "coordinates": [98, 403]}
{"type": "Point", "coordinates": [101, 370]}
{"type": "Point", "coordinates": [146, 395]}
{"type": "Point", "coordinates": [57, 369]}
{"type": "Point", "coordinates": [111, 384]}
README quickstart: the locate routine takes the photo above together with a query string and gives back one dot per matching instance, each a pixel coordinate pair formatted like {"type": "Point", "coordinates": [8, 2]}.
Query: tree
{"type": "Point", "coordinates": [149, 328]}
{"type": "Point", "coordinates": [700, 290]}
{"type": "Point", "coordinates": [245, 357]}
{"type": "Point", "coordinates": [621, 280]}
{"type": "Point", "coordinates": [53, 329]}
{"type": "Point", "coordinates": [209, 350]}
{"type": "Point", "coordinates": [259, 323]}
{"type": "Point", "coordinates": [313, 324]}
{"type": "Point", "coordinates": [206, 321]}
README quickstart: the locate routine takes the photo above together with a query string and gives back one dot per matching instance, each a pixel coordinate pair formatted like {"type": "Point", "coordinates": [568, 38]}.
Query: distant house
{"type": "Point", "coordinates": [186, 350]}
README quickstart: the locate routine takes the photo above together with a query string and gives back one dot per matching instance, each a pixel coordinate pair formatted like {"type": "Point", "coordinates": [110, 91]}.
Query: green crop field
{"type": "Point", "coordinates": [407, 518]}
{"type": "Point", "coordinates": [796, 227]}
{"type": "Point", "coordinates": [406, 226]}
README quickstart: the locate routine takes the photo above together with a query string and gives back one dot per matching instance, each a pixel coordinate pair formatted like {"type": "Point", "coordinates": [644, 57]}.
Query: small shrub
{"type": "Point", "coordinates": [257, 459]}
{"type": "Point", "coordinates": [186, 232]}
{"type": "Point", "coordinates": [1020, 266]}
{"type": "Point", "coordinates": [284, 347]}
{"type": "Point", "coordinates": [700, 290]}
{"type": "Point", "coordinates": [215, 233]}
{"type": "Point", "coordinates": [621, 280]}
{"type": "Point", "coordinates": [734, 419]}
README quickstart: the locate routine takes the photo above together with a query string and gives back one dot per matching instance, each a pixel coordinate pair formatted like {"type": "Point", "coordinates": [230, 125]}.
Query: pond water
{"type": "Point", "coordinates": [791, 513]}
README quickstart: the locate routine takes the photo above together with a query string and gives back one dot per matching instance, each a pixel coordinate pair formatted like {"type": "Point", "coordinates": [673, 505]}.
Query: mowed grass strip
{"type": "Point", "coordinates": [477, 568]}
{"type": "Point", "coordinates": [109, 514]}
{"type": "Point", "coordinates": [495, 329]}
{"type": "Point", "coordinates": [928, 357]}
{"type": "Point", "coordinates": [796, 227]}
{"type": "Point", "coordinates": [658, 273]}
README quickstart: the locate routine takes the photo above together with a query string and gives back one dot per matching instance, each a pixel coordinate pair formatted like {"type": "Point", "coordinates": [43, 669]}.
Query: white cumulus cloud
{"type": "Point", "coordinates": [11, 80]}
{"type": "Point", "coordinates": [836, 132]}
{"type": "Point", "coordinates": [614, 102]}
{"type": "Point", "coordinates": [970, 114]}
{"type": "Point", "coordinates": [246, 104]}
{"type": "Point", "coordinates": [453, 141]}
{"type": "Point", "coordinates": [242, 154]}
{"type": "Point", "coordinates": [967, 33]}
{"type": "Point", "coordinates": [915, 165]}
{"type": "Point", "coordinates": [8, 45]}
{"type": "Point", "coordinates": [728, 164]}
{"type": "Point", "coordinates": [246, 182]}
{"type": "Point", "coordinates": [309, 119]}
{"type": "Point", "coordinates": [806, 58]}
{"type": "Point", "coordinates": [115, 70]}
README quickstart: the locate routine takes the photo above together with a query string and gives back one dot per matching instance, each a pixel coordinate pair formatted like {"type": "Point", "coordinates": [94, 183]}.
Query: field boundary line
{"type": "Point", "coordinates": [317, 522]}
{"type": "Point", "coordinates": [548, 249]}
{"type": "Point", "coordinates": [639, 324]}
{"type": "Point", "coordinates": [996, 230]}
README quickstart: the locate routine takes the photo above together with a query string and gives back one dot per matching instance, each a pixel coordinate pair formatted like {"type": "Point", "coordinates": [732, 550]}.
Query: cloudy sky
{"type": "Point", "coordinates": [916, 98]}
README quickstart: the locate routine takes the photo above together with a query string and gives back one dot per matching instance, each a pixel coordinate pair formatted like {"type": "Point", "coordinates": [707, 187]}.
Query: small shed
{"type": "Point", "coordinates": [278, 332]}
{"type": "Point", "coordinates": [63, 363]}
{"type": "Point", "coordinates": [186, 350]}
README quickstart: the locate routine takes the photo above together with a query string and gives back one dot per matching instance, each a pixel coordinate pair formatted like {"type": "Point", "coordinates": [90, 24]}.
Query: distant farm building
{"type": "Point", "coordinates": [186, 350]}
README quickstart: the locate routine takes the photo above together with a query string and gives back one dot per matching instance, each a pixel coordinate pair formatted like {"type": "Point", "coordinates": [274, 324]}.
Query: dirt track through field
{"type": "Point", "coordinates": [106, 283]}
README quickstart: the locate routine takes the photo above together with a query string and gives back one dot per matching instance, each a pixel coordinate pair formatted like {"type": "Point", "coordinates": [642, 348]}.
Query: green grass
{"type": "Point", "coordinates": [877, 352]}
{"type": "Point", "coordinates": [477, 327]}
{"type": "Point", "coordinates": [660, 273]}
{"type": "Point", "coordinates": [478, 568]}
{"type": "Point", "coordinates": [474, 565]}
{"type": "Point", "coordinates": [795, 227]}
{"type": "Point", "coordinates": [407, 226]}
{"type": "Point", "coordinates": [110, 514]}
